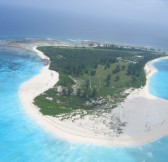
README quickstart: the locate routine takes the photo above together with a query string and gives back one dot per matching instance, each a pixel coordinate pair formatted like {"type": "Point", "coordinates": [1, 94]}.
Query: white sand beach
{"type": "Point", "coordinates": [145, 115]}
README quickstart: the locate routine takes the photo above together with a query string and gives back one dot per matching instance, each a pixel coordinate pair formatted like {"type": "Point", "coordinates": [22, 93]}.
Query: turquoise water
{"type": "Point", "coordinates": [22, 140]}
{"type": "Point", "coordinates": [159, 81]}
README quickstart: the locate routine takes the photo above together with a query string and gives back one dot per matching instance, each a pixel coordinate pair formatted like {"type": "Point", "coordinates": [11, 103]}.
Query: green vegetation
{"type": "Point", "coordinates": [92, 79]}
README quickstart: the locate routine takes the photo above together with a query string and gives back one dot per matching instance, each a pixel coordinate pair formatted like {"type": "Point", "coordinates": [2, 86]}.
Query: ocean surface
{"type": "Point", "coordinates": [23, 22]}
{"type": "Point", "coordinates": [22, 140]}
{"type": "Point", "coordinates": [159, 81]}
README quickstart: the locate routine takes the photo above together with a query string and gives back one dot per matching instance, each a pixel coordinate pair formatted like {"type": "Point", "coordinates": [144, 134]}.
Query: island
{"type": "Point", "coordinates": [97, 94]}
{"type": "Point", "coordinates": [91, 80]}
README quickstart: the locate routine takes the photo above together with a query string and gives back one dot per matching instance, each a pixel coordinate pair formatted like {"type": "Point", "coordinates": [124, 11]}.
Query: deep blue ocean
{"type": "Point", "coordinates": [25, 22]}
{"type": "Point", "coordinates": [22, 140]}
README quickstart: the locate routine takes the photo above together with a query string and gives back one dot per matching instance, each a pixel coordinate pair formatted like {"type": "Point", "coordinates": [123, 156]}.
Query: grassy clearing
{"type": "Point", "coordinates": [98, 81]}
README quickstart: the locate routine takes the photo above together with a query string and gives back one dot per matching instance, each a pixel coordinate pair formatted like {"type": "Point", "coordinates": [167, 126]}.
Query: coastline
{"type": "Point", "coordinates": [47, 79]}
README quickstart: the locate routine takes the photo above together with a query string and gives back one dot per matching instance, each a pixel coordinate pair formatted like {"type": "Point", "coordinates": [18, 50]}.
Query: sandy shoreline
{"type": "Point", "coordinates": [151, 117]}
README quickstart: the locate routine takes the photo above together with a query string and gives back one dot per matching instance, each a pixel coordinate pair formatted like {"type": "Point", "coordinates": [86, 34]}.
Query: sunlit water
{"type": "Point", "coordinates": [22, 140]}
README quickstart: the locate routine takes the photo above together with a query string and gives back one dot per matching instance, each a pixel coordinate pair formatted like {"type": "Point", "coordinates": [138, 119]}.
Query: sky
{"type": "Point", "coordinates": [143, 17]}
{"type": "Point", "coordinates": [133, 9]}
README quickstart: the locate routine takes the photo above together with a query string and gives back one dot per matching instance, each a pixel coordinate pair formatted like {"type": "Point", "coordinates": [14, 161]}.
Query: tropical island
{"type": "Point", "coordinates": [92, 79]}
{"type": "Point", "coordinates": [96, 94]}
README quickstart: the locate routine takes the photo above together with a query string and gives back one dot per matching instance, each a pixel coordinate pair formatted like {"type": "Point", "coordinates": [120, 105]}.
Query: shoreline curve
{"type": "Point", "coordinates": [47, 79]}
